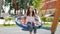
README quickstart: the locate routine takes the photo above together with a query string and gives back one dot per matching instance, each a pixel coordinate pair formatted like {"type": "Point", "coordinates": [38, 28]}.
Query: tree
{"type": "Point", "coordinates": [24, 4]}
{"type": "Point", "coordinates": [20, 4]}
{"type": "Point", "coordinates": [1, 2]}
{"type": "Point", "coordinates": [10, 3]}
{"type": "Point", "coordinates": [38, 4]}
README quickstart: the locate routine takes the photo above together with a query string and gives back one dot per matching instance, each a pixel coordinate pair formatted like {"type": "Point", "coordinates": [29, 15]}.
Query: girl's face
{"type": "Point", "coordinates": [31, 9]}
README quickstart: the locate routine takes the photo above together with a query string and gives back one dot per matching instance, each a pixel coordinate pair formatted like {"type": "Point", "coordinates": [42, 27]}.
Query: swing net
{"type": "Point", "coordinates": [23, 24]}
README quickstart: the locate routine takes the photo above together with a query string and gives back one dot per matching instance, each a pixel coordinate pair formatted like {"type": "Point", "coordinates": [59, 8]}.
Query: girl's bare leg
{"type": "Point", "coordinates": [34, 33]}
{"type": "Point", "coordinates": [30, 32]}
{"type": "Point", "coordinates": [36, 22]}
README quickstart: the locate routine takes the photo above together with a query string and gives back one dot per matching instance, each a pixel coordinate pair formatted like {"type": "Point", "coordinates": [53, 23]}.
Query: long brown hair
{"type": "Point", "coordinates": [28, 12]}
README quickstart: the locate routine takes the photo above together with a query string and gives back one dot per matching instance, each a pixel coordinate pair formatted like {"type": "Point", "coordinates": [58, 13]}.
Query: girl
{"type": "Point", "coordinates": [30, 20]}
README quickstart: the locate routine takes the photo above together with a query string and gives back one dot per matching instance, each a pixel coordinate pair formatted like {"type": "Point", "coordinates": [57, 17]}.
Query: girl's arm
{"type": "Point", "coordinates": [36, 23]}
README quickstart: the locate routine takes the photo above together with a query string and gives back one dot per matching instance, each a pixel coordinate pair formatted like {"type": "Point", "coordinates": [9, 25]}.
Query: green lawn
{"type": "Point", "coordinates": [49, 25]}
{"type": "Point", "coordinates": [14, 25]}
{"type": "Point", "coordinates": [2, 26]}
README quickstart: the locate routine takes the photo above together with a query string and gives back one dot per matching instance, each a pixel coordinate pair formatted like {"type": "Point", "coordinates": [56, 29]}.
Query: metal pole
{"type": "Point", "coordinates": [56, 17]}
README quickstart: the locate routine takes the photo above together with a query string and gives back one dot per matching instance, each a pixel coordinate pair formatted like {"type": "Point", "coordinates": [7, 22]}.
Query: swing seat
{"type": "Point", "coordinates": [26, 27]}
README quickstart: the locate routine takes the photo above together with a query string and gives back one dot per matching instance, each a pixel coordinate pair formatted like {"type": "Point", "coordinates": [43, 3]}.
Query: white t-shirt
{"type": "Point", "coordinates": [30, 19]}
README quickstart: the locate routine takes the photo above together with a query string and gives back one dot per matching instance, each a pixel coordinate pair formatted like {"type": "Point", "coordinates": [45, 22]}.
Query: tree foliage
{"type": "Point", "coordinates": [37, 3]}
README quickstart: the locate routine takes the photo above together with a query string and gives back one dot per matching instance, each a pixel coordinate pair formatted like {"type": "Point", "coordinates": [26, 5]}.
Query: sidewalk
{"type": "Point", "coordinates": [19, 31]}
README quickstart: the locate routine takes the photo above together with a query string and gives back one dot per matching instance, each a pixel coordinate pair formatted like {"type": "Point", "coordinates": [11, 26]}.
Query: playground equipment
{"type": "Point", "coordinates": [56, 17]}
{"type": "Point", "coordinates": [19, 23]}
{"type": "Point", "coordinates": [26, 27]}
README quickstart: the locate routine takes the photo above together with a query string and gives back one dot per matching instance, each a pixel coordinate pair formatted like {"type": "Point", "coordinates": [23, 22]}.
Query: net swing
{"type": "Point", "coordinates": [25, 26]}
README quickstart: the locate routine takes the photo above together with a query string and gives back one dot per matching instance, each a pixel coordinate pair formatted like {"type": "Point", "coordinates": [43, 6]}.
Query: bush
{"type": "Point", "coordinates": [49, 19]}
{"type": "Point", "coordinates": [8, 19]}
{"type": "Point", "coordinates": [44, 19]}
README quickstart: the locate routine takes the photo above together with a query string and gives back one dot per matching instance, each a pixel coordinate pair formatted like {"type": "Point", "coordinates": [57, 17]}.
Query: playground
{"type": "Point", "coordinates": [29, 17]}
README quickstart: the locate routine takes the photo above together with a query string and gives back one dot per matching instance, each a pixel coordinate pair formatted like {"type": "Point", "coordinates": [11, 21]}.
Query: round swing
{"type": "Point", "coordinates": [24, 26]}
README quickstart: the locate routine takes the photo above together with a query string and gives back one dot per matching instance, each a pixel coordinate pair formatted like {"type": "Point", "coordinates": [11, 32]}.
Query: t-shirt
{"type": "Point", "coordinates": [30, 19]}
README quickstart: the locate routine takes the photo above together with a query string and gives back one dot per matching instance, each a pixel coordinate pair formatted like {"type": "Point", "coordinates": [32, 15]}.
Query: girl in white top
{"type": "Point", "coordinates": [30, 18]}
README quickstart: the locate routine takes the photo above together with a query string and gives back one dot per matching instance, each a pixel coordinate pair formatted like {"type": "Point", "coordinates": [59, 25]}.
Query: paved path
{"type": "Point", "coordinates": [19, 31]}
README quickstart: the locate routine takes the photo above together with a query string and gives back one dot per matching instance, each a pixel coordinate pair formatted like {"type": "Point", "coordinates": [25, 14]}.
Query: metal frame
{"type": "Point", "coordinates": [56, 17]}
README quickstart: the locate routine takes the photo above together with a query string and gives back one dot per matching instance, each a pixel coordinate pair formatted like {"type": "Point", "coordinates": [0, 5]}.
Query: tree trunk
{"type": "Point", "coordinates": [1, 1]}
{"type": "Point", "coordinates": [16, 7]}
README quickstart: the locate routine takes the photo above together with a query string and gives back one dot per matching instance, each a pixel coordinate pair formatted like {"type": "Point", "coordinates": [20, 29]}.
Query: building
{"type": "Point", "coordinates": [49, 6]}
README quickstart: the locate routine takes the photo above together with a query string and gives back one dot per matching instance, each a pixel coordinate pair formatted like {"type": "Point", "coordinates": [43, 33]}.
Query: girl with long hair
{"type": "Point", "coordinates": [30, 20]}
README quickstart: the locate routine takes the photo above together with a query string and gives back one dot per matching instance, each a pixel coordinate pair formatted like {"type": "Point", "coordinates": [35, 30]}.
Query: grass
{"type": "Point", "coordinates": [2, 26]}
{"type": "Point", "coordinates": [49, 25]}
{"type": "Point", "coordinates": [15, 26]}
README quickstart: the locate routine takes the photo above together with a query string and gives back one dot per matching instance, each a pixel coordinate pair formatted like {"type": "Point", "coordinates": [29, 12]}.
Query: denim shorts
{"type": "Point", "coordinates": [32, 27]}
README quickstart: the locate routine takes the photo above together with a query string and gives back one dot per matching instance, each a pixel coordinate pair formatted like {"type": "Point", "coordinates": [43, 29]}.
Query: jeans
{"type": "Point", "coordinates": [32, 27]}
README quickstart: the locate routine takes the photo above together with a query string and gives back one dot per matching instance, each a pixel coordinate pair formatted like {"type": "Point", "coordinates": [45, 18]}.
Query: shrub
{"type": "Point", "coordinates": [49, 19]}
{"type": "Point", "coordinates": [8, 19]}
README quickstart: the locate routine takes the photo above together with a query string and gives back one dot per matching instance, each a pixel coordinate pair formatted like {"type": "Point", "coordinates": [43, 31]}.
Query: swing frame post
{"type": "Point", "coordinates": [56, 17]}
